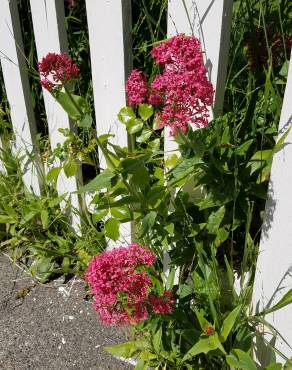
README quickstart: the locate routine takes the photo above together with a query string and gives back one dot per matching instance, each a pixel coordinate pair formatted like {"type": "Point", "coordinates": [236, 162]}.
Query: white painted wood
{"type": "Point", "coordinates": [274, 265]}
{"type": "Point", "coordinates": [109, 25]}
{"type": "Point", "coordinates": [50, 36]}
{"type": "Point", "coordinates": [18, 93]}
{"type": "Point", "coordinates": [210, 21]}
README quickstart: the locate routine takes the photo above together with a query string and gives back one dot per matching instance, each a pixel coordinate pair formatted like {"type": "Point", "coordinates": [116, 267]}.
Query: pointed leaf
{"type": "Point", "coordinates": [147, 223]}
{"type": "Point", "coordinates": [202, 346]}
{"type": "Point", "coordinates": [71, 108]}
{"type": "Point", "coordinates": [111, 229]}
{"type": "Point", "coordinates": [240, 360]}
{"type": "Point", "coordinates": [157, 340]}
{"type": "Point", "coordinates": [284, 301]}
{"type": "Point", "coordinates": [53, 174]}
{"type": "Point", "coordinates": [215, 220]}
{"type": "Point", "coordinates": [101, 181]}
{"type": "Point", "coordinates": [70, 168]}
{"type": "Point", "coordinates": [124, 350]}
{"type": "Point", "coordinates": [228, 323]}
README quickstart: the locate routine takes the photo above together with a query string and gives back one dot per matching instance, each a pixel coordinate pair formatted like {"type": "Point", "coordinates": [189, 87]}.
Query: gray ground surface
{"type": "Point", "coordinates": [53, 327]}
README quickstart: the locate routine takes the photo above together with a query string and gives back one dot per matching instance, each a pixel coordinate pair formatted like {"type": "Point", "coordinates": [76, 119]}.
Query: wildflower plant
{"type": "Point", "coordinates": [194, 211]}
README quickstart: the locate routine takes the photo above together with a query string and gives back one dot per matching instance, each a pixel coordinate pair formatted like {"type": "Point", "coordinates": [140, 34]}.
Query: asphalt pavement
{"type": "Point", "coordinates": [51, 326]}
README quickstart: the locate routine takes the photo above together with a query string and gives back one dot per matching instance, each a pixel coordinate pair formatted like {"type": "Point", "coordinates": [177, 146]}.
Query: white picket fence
{"type": "Point", "coordinates": [109, 24]}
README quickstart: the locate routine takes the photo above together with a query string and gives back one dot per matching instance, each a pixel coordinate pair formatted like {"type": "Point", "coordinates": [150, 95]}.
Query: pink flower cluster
{"type": "Point", "coordinates": [182, 88]}
{"type": "Point", "coordinates": [136, 87]}
{"type": "Point", "coordinates": [122, 288]}
{"type": "Point", "coordinates": [55, 69]}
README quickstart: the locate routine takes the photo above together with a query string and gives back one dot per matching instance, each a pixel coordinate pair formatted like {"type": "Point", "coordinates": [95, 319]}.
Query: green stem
{"type": "Point", "coordinates": [105, 152]}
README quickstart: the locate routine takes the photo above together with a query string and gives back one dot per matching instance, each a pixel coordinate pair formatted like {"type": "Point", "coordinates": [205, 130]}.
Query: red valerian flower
{"type": "Point", "coordinates": [163, 304]}
{"type": "Point", "coordinates": [56, 69]}
{"type": "Point", "coordinates": [121, 286]}
{"type": "Point", "coordinates": [136, 88]}
{"type": "Point", "coordinates": [183, 84]}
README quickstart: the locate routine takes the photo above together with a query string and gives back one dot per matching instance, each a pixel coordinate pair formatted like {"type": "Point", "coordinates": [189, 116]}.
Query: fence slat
{"type": "Point", "coordinates": [18, 93]}
{"type": "Point", "coordinates": [50, 36]}
{"type": "Point", "coordinates": [109, 26]}
{"type": "Point", "coordinates": [210, 21]}
{"type": "Point", "coordinates": [274, 265]}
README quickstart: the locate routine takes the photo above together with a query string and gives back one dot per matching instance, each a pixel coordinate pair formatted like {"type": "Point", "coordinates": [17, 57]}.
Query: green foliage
{"type": "Point", "coordinates": [37, 231]}
{"type": "Point", "coordinates": [204, 208]}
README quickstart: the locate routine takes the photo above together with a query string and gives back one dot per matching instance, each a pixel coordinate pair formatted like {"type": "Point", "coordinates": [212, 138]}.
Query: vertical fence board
{"type": "Point", "coordinates": [109, 25]}
{"type": "Point", "coordinates": [18, 93]}
{"type": "Point", "coordinates": [274, 265]}
{"type": "Point", "coordinates": [210, 21]}
{"type": "Point", "coordinates": [50, 36]}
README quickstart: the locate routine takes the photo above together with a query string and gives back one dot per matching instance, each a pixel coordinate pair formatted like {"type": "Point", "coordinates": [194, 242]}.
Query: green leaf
{"type": "Point", "coordinates": [125, 114]}
{"type": "Point", "coordinates": [284, 70]}
{"type": "Point", "coordinates": [45, 218]}
{"type": "Point", "coordinates": [154, 145]}
{"type": "Point", "coordinates": [275, 366]}
{"type": "Point", "coordinates": [240, 360]}
{"type": "Point", "coordinates": [53, 174]}
{"type": "Point", "coordinates": [258, 159]}
{"type": "Point", "coordinates": [111, 229]}
{"type": "Point", "coordinates": [130, 165]}
{"type": "Point", "coordinates": [65, 101]}
{"type": "Point", "coordinates": [101, 181]}
{"type": "Point", "coordinates": [281, 141]}
{"type": "Point", "coordinates": [86, 121]}
{"type": "Point", "coordinates": [121, 213]}
{"type": "Point", "coordinates": [215, 220]}
{"type": "Point", "coordinates": [221, 235]}
{"type": "Point", "coordinates": [141, 177]}
{"type": "Point", "coordinates": [147, 223]}
{"type": "Point", "coordinates": [145, 111]}
{"type": "Point", "coordinates": [228, 323]}
{"type": "Point", "coordinates": [70, 167]}
{"type": "Point", "coordinates": [28, 216]}
{"type": "Point", "coordinates": [243, 148]}
{"type": "Point", "coordinates": [99, 215]}
{"type": "Point", "coordinates": [124, 350]}
{"type": "Point", "coordinates": [43, 268]}
{"type": "Point", "coordinates": [54, 202]}
{"type": "Point", "coordinates": [185, 290]}
{"type": "Point", "coordinates": [202, 346]}
{"type": "Point", "coordinates": [145, 135]}
{"type": "Point", "coordinates": [155, 196]}
{"type": "Point", "coordinates": [185, 167]}
{"type": "Point", "coordinates": [134, 125]}
{"type": "Point", "coordinates": [141, 365]}
{"type": "Point", "coordinates": [191, 335]}
{"type": "Point", "coordinates": [6, 219]}
{"type": "Point", "coordinates": [157, 340]}
{"type": "Point", "coordinates": [284, 301]}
